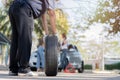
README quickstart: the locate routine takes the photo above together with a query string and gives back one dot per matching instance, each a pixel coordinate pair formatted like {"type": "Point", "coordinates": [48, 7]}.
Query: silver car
{"type": "Point", "coordinates": [74, 58]}
{"type": "Point", "coordinates": [33, 61]}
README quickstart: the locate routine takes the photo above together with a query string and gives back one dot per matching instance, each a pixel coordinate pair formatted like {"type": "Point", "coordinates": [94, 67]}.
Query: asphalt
{"type": "Point", "coordinates": [87, 75]}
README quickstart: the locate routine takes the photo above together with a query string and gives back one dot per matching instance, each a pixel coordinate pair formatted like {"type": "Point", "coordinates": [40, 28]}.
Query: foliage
{"type": "Point", "coordinates": [108, 12]}
{"type": "Point", "coordinates": [62, 23]}
{"type": "Point", "coordinates": [4, 22]}
{"type": "Point", "coordinates": [87, 66]}
{"type": "Point", "coordinates": [112, 66]}
{"type": "Point", "coordinates": [38, 27]}
{"type": "Point", "coordinates": [5, 27]}
{"type": "Point", "coordinates": [107, 66]}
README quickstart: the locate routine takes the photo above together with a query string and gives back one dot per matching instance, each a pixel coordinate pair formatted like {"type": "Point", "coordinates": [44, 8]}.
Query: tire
{"type": "Point", "coordinates": [51, 56]}
{"type": "Point", "coordinates": [81, 70]}
{"type": "Point", "coordinates": [83, 66]}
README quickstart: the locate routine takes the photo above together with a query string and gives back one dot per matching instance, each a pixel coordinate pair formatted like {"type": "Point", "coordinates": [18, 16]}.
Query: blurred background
{"type": "Point", "coordinates": [92, 25]}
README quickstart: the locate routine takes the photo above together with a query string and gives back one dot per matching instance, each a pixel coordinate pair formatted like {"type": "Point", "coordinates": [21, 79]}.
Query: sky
{"type": "Point", "coordinates": [0, 3]}
{"type": "Point", "coordinates": [77, 10]}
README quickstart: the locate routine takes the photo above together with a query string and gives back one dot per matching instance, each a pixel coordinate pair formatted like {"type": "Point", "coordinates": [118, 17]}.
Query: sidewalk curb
{"type": "Point", "coordinates": [104, 72]}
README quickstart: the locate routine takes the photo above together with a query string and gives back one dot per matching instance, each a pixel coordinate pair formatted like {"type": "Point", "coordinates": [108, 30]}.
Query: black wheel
{"type": "Point", "coordinates": [81, 70]}
{"type": "Point", "coordinates": [51, 56]}
{"type": "Point", "coordinates": [83, 66]}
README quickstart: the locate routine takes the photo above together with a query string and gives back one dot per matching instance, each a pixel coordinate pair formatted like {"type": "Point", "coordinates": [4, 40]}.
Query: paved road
{"type": "Point", "coordinates": [63, 76]}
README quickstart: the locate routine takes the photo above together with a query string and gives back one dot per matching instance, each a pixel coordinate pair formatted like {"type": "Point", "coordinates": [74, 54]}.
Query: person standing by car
{"type": "Point", "coordinates": [40, 56]}
{"type": "Point", "coordinates": [64, 49]}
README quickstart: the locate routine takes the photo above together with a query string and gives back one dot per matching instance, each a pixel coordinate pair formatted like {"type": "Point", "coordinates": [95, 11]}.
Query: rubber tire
{"type": "Point", "coordinates": [81, 70]}
{"type": "Point", "coordinates": [83, 66]}
{"type": "Point", "coordinates": [51, 55]}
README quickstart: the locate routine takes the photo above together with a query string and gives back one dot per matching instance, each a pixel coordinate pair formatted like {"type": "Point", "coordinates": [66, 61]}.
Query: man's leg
{"type": "Point", "coordinates": [44, 24]}
{"type": "Point", "coordinates": [14, 44]}
{"type": "Point", "coordinates": [51, 13]}
{"type": "Point", "coordinates": [52, 16]}
{"type": "Point", "coordinates": [24, 23]}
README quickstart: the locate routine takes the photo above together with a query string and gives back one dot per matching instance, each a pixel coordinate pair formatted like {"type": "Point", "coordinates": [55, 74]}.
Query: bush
{"type": "Point", "coordinates": [107, 66]}
{"type": "Point", "coordinates": [87, 66]}
{"type": "Point", "coordinates": [112, 66]}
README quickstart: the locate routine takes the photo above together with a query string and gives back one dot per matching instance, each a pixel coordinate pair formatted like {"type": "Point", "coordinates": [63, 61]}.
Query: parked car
{"type": "Point", "coordinates": [33, 61]}
{"type": "Point", "coordinates": [74, 58]}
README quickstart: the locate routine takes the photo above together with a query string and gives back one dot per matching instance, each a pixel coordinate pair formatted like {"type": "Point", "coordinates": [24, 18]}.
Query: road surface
{"type": "Point", "coordinates": [88, 75]}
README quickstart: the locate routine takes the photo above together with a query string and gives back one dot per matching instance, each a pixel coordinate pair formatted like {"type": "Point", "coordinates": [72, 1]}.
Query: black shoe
{"type": "Point", "coordinates": [12, 73]}
{"type": "Point", "coordinates": [24, 71]}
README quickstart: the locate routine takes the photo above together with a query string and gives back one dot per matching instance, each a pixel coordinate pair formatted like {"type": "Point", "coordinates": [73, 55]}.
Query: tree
{"type": "Point", "coordinates": [108, 12]}
{"type": "Point", "coordinates": [4, 19]}
{"type": "Point", "coordinates": [5, 27]}
{"type": "Point", "coordinates": [4, 23]}
{"type": "Point", "coordinates": [62, 22]}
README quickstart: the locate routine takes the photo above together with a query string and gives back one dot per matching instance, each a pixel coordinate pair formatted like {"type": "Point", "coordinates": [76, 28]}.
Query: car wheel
{"type": "Point", "coordinates": [83, 65]}
{"type": "Point", "coordinates": [81, 70]}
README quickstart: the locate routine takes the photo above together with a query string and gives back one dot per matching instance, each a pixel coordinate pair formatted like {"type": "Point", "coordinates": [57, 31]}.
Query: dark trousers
{"type": "Point", "coordinates": [21, 19]}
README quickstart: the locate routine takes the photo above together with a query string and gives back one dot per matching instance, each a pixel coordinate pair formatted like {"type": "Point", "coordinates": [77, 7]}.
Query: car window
{"type": "Point", "coordinates": [77, 53]}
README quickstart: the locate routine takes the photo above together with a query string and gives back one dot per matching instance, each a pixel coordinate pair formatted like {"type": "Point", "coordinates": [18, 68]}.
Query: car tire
{"type": "Point", "coordinates": [51, 56]}
{"type": "Point", "coordinates": [81, 70]}
{"type": "Point", "coordinates": [83, 66]}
